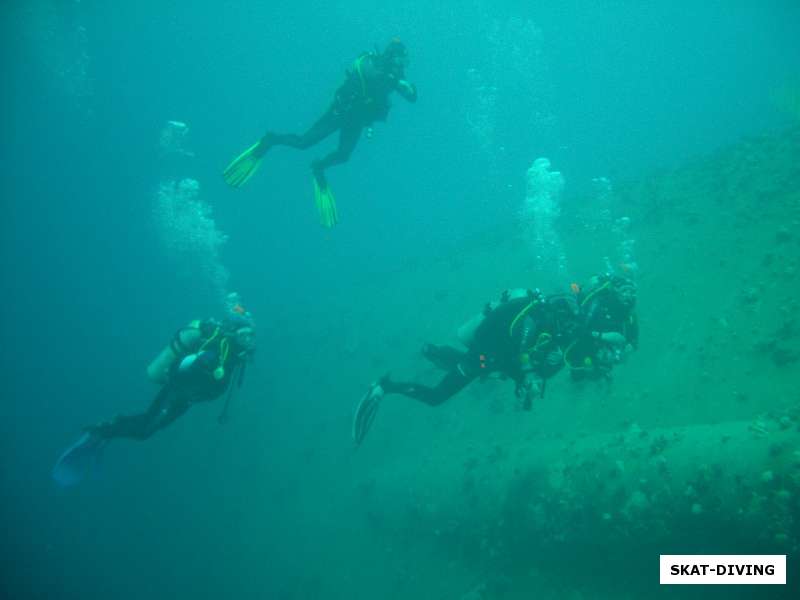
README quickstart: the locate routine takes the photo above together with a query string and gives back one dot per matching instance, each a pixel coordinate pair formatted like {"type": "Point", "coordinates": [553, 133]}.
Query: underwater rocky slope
{"type": "Point", "coordinates": [693, 448]}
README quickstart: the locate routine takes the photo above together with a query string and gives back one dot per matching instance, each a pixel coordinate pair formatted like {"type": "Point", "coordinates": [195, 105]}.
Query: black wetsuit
{"type": "Point", "coordinates": [183, 388]}
{"type": "Point", "coordinates": [360, 101]}
{"type": "Point", "coordinates": [529, 326]}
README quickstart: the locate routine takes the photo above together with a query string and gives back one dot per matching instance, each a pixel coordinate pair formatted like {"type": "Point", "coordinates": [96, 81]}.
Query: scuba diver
{"type": "Point", "coordinates": [610, 327]}
{"type": "Point", "coordinates": [361, 100]}
{"type": "Point", "coordinates": [203, 361]}
{"type": "Point", "coordinates": [523, 337]}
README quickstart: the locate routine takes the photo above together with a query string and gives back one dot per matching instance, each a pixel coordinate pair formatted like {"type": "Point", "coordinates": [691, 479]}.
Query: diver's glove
{"type": "Point", "coordinates": [614, 347]}
{"type": "Point", "coordinates": [610, 337]}
{"type": "Point", "coordinates": [555, 358]}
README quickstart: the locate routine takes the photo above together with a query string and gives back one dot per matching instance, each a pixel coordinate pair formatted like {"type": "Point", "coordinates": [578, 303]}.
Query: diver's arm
{"type": "Point", "coordinates": [402, 86]}
{"type": "Point", "coordinates": [373, 69]}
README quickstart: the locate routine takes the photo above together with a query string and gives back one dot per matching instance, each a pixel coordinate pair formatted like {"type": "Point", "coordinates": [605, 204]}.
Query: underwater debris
{"type": "Point", "coordinates": [631, 494]}
{"type": "Point", "coordinates": [750, 296]}
{"type": "Point", "coordinates": [759, 428]}
{"type": "Point", "coordinates": [777, 350]}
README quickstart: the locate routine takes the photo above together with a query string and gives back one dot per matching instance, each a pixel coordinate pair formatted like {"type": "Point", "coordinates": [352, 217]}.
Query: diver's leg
{"type": "Point", "coordinates": [167, 406]}
{"type": "Point", "coordinates": [445, 357]}
{"type": "Point", "coordinates": [452, 383]}
{"type": "Point", "coordinates": [348, 139]}
{"type": "Point", "coordinates": [325, 126]}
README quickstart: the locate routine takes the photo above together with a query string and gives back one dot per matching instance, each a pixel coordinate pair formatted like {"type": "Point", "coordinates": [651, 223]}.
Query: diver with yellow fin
{"type": "Point", "coordinates": [361, 100]}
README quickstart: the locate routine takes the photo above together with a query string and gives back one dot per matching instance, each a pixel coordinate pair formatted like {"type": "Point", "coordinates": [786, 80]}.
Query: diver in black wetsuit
{"type": "Point", "coordinates": [521, 337]}
{"type": "Point", "coordinates": [529, 338]}
{"type": "Point", "coordinates": [202, 362]}
{"type": "Point", "coordinates": [360, 101]}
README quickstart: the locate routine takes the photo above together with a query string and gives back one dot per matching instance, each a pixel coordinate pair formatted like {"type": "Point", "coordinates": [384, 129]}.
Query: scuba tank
{"type": "Point", "coordinates": [158, 370]}
{"type": "Point", "coordinates": [466, 333]}
{"type": "Point", "coordinates": [184, 339]}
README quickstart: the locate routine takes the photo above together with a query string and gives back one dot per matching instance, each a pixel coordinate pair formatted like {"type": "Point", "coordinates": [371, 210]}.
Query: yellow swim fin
{"type": "Point", "coordinates": [244, 166]}
{"type": "Point", "coordinates": [326, 204]}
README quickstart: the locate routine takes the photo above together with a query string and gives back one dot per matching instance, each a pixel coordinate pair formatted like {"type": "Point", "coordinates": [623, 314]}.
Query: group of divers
{"type": "Point", "coordinates": [525, 335]}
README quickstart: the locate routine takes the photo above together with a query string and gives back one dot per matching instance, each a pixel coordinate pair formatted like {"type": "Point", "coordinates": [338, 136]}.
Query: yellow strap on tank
{"type": "Point", "coordinates": [363, 81]}
{"type": "Point", "coordinates": [520, 315]}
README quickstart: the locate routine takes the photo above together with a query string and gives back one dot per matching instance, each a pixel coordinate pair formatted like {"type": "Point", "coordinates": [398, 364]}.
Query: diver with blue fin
{"type": "Point", "coordinates": [361, 100]}
{"type": "Point", "coordinates": [205, 360]}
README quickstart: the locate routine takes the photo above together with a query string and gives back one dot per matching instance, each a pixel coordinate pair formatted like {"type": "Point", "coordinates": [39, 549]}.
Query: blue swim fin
{"type": "Point", "coordinates": [78, 460]}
